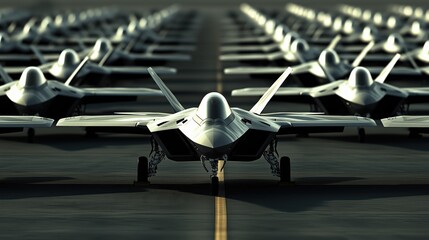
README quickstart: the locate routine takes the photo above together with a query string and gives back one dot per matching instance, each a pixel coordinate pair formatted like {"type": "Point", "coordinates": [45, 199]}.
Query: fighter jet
{"type": "Point", "coordinates": [104, 53]}
{"type": "Point", "coordinates": [69, 60]}
{"type": "Point", "coordinates": [214, 131]}
{"type": "Point", "coordinates": [358, 95]}
{"type": "Point", "coordinates": [12, 52]}
{"type": "Point", "coordinates": [293, 51]}
{"type": "Point", "coordinates": [33, 94]}
{"type": "Point", "coordinates": [327, 68]}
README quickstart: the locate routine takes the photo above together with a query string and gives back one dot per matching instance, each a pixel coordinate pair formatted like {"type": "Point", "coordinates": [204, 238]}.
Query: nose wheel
{"type": "Point", "coordinates": [214, 185]}
{"type": "Point", "coordinates": [142, 171]}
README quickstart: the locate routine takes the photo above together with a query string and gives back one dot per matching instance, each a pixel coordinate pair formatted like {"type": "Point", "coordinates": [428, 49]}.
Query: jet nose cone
{"type": "Point", "coordinates": [214, 138]}
{"type": "Point", "coordinates": [32, 77]}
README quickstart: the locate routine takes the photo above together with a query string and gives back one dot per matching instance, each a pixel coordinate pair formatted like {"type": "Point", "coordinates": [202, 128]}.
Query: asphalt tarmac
{"type": "Point", "coordinates": [69, 186]}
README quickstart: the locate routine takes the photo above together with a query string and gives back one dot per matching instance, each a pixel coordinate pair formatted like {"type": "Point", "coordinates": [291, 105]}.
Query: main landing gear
{"type": "Point", "coordinates": [147, 167]}
{"type": "Point", "coordinates": [30, 135]}
{"type": "Point", "coordinates": [362, 134]}
{"type": "Point", "coordinates": [280, 169]}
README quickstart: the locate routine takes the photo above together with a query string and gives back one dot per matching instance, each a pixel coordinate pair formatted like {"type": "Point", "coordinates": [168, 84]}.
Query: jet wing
{"type": "Point", "coordinates": [247, 57]}
{"type": "Point", "coordinates": [252, 48]}
{"type": "Point", "coordinates": [255, 70]}
{"type": "Point", "coordinates": [406, 121]}
{"type": "Point", "coordinates": [242, 57]}
{"type": "Point", "coordinates": [307, 123]}
{"type": "Point", "coordinates": [93, 95]}
{"type": "Point", "coordinates": [308, 120]}
{"type": "Point", "coordinates": [417, 95]}
{"type": "Point", "coordinates": [108, 120]}
{"type": "Point", "coordinates": [159, 57]}
{"type": "Point", "coordinates": [289, 94]}
{"type": "Point", "coordinates": [25, 121]}
{"type": "Point", "coordinates": [139, 70]}
{"type": "Point", "coordinates": [176, 48]}
{"type": "Point", "coordinates": [260, 39]}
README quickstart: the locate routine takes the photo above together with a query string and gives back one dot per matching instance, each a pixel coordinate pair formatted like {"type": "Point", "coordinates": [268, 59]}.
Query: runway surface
{"type": "Point", "coordinates": [68, 186]}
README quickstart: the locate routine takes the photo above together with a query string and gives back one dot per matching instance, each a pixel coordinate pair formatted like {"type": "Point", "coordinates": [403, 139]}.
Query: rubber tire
{"type": "Point", "coordinates": [362, 134]}
{"type": "Point", "coordinates": [285, 170]}
{"type": "Point", "coordinates": [143, 170]}
{"type": "Point", "coordinates": [215, 185]}
{"type": "Point", "coordinates": [30, 135]}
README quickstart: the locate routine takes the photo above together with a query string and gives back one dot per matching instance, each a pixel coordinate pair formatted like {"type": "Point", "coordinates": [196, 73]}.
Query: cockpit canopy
{"type": "Point", "coordinates": [394, 43]}
{"type": "Point", "coordinates": [46, 24]}
{"type": "Point", "coordinates": [213, 106]}
{"type": "Point", "coordinates": [299, 46]}
{"type": "Point", "coordinates": [360, 78]}
{"type": "Point", "coordinates": [350, 26]}
{"type": "Point", "coordinates": [32, 77]}
{"type": "Point", "coordinates": [288, 40]}
{"type": "Point", "coordinates": [329, 58]}
{"type": "Point", "coordinates": [121, 32]}
{"type": "Point", "coordinates": [68, 58]}
{"type": "Point", "coordinates": [101, 47]}
{"type": "Point", "coordinates": [368, 33]}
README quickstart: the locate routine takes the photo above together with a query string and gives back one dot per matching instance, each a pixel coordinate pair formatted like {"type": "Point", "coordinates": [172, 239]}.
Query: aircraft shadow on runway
{"type": "Point", "coordinates": [392, 140]}
{"type": "Point", "coordinates": [76, 142]}
{"type": "Point", "coordinates": [300, 198]}
{"type": "Point", "coordinates": [316, 191]}
{"type": "Point", "coordinates": [26, 187]}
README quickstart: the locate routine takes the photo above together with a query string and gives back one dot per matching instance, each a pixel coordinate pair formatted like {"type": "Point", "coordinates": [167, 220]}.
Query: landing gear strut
{"type": "Point", "coordinates": [147, 168]}
{"type": "Point", "coordinates": [281, 169]}
{"type": "Point", "coordinates": [214, 169]}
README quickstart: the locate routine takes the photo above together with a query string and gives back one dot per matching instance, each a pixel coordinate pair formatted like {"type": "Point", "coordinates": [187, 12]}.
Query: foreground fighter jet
{"type": "Point", "coordinates": [358, 95]}
{"type": "Point", "coordinates": [214, 131]}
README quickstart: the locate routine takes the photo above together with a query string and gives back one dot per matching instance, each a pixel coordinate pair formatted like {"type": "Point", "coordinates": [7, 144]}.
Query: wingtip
{"type": "Point", "coordinates": [150, 70]}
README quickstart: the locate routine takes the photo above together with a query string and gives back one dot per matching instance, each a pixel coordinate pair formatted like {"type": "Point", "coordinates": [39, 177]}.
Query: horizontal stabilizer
{"type": "Point", "coordinates": [25, 122]}
{"type": "Point", "coordinates": [406, 121]}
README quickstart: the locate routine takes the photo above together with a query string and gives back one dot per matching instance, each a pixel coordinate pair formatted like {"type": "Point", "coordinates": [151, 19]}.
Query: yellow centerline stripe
{"type": "Point", "coordinates": [220, 207]}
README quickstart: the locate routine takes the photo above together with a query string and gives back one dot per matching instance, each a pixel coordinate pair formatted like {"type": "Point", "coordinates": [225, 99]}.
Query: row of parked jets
{"type": "Point", "coordinates": [213, 130]}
